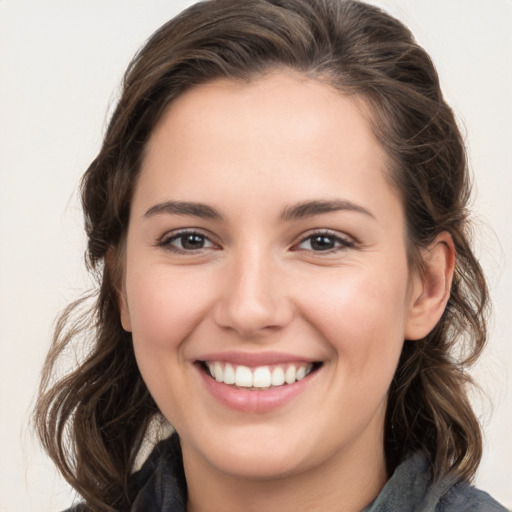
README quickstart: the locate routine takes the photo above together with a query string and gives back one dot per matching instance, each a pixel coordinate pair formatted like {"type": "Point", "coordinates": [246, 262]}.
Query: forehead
{"type": "Point", "coordinates": [288, 132]}
{"type": "Point", "coordinates": [313, 109]}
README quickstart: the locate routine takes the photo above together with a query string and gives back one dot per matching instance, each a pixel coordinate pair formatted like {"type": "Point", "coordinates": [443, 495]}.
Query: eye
{"type": "Point", "coordinates": [326, 242]}
{"type": "Point", "coordinates": [186, 242]}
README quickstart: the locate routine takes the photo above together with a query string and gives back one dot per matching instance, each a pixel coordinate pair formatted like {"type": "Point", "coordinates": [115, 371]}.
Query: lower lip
{"type": "Point", "coordinates": [255, 401]}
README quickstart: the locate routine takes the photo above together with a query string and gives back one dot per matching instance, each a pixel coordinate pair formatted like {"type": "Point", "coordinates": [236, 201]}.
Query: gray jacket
{"type": "Point", "coordinates": [411, 489]}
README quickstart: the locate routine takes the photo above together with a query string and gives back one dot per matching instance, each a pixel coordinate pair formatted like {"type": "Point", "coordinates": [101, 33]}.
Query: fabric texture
{"type": "Point", "coordinates": [160, 486]}
{"type": "Point", "coordinates": [411, 489]}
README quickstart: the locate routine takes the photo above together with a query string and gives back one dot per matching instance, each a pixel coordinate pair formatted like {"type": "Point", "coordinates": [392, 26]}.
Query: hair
{"type": "Point", "coordinates": [93, 420]}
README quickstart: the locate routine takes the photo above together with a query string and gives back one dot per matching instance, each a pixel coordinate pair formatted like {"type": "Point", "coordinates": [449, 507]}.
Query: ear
{"type": "Point", "coordinates": [431, 287]}
{"type": "Point", "coordinates": [124, 312]}
{"type": "Point", "coordinates": [114, 265]}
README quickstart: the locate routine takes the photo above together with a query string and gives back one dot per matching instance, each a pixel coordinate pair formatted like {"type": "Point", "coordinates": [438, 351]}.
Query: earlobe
{"type": "Point", "coordinates": [124, 311]}
{"type": "Point", "coordinates": [114, 266]}
{"type": "Point", "coordinates": [431, 289]}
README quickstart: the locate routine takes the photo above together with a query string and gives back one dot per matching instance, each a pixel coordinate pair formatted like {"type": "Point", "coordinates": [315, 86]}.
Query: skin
{"type": "Point", "coordinates": [255, 283]}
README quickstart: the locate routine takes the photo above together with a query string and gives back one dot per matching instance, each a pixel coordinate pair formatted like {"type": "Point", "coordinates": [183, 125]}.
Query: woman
{"type": "Point", "coordinates": [278, 219]}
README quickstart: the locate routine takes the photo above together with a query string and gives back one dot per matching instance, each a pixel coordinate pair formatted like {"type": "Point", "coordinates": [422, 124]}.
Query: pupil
{"type": "Point", "coordinates": [192, 241]}
{"type": "Point", "coordinates": [322, 243]}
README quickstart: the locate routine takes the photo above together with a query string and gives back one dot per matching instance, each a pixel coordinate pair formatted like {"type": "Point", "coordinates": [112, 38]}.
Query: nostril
{"type": "Point", "coordinates": [251, 318]}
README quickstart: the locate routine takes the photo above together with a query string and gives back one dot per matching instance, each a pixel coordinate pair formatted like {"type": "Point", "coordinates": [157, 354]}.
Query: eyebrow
{"type": "Point", "coordinates": [200, 210]}
{"type": "Point", "coordinates": [298, 211]}
{"type": "Point", "coordinates": [312, 208]}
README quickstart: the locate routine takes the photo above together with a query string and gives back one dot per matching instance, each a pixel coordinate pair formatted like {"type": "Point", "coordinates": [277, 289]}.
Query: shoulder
{"type": "Point", "coordinates": [464, 497]}
{"type": "Point", "coordinates": [159, 484]}
{"type": "Point", "coordinates": [411, 487]}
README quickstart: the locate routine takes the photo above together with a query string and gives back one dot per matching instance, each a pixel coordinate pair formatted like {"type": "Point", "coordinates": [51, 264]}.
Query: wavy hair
{"type": "Point", "coordinates": [93, 420]}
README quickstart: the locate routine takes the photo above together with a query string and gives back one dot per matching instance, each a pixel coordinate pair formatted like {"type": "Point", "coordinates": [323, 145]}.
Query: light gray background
{"type": "Point", "coordinates": [60, 64]}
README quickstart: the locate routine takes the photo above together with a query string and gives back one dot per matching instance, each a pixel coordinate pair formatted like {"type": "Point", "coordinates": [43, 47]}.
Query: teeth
{"type": "Point", "coordinates": [218, 374]}
{"type": "Point", "coordinates": [262, 377]}
{"type": "Point", "coordinates": [300, 373]}
{"type": "Point", "coordinates": [229, 374]}
{"type": "Point", "coordinates": [277, 376]}
{"type": "Point", "coordinates": [243, 377]}
{"type": "Point", "coordinates": [289, 375]}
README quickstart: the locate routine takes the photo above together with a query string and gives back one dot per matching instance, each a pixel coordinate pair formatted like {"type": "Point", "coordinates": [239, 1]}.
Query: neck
{"type": "Point", "coordinates": [347, 482]}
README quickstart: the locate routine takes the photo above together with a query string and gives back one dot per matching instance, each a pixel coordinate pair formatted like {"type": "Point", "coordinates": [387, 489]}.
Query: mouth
{"type": "Point", "coordinates": [260, 377]}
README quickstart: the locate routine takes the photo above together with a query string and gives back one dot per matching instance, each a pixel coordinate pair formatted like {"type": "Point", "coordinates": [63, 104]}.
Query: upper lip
{"type": "Point", "coordinates": [253, 359]}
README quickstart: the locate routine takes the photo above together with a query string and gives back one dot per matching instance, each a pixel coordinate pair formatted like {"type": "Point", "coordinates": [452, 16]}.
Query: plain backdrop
{"type": "Point", "coordinates": [61, 62]}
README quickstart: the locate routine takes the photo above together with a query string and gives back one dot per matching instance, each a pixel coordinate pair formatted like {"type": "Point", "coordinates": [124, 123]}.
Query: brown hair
{"type": "Point", "coordinates": [92, 421]}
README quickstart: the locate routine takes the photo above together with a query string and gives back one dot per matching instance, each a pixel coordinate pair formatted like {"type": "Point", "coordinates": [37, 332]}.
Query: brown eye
{"type": "Point", "coordinates": [324, 242]}
{"type": "Point", "coordinates": [186, 241]}
{"type": "Point", "coordinates": [191, 241]}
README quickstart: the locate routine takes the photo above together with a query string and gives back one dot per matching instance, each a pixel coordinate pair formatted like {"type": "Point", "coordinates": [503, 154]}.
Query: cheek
{"type": "Point", "coordinates": [165, 306]}
{"type": "Point", "coordinates": [361, 315]}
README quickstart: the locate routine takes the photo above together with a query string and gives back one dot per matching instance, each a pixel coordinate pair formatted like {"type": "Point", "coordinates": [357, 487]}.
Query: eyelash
{"type": "Point", "coordinates": [167, 240]}
{"type": "Point", "coordinates": [340, 243]}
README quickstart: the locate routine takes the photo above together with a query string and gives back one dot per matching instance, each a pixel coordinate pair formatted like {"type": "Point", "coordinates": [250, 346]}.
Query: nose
{"type": "Point", "coordinates": [253, 300]}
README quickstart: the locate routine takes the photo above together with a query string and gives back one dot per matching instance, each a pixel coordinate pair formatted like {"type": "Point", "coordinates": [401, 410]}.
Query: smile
{"type": "Point", "coordinates": [256, 383]}
{"type": "Point", "coordinates": [260, 377]}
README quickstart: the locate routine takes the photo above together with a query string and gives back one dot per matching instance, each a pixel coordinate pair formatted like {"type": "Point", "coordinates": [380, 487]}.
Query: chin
{"type": "Point", "coordinates": [255, 454]}
{"type": "Point", "coordinates": [258, 464]}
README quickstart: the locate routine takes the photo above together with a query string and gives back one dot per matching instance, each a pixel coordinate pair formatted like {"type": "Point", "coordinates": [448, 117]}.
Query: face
{"type": "Point", "coordinates": [266, 281]}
